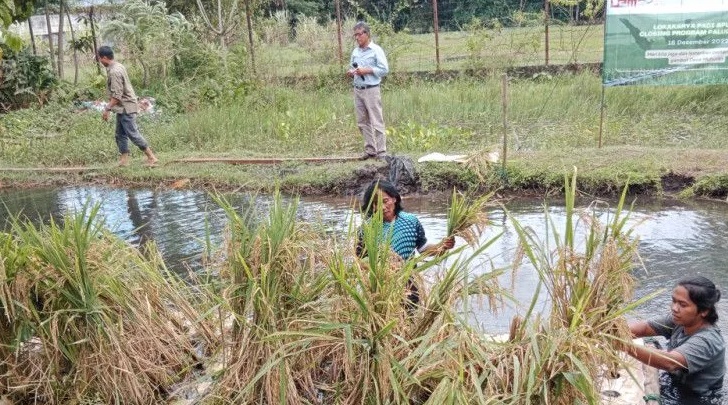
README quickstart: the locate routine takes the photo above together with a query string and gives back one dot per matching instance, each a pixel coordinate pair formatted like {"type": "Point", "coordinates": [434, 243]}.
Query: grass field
{"type": "Point", "coordinates": [553, 122]}
{"type": "Point", "coordinates": [482, 49]}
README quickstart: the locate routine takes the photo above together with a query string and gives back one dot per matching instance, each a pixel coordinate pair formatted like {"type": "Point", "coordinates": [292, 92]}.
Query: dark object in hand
{"type": "Point", "coordinates": [356, 65]}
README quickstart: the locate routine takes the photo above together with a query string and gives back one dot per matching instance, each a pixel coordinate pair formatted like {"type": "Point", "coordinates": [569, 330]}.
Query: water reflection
{"type": "Point", "coordinates": [674, 239]}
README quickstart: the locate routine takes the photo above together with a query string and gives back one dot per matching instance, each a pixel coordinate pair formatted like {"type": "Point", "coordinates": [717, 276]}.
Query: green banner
{"type": "Point", "coordinates": [665, 42]}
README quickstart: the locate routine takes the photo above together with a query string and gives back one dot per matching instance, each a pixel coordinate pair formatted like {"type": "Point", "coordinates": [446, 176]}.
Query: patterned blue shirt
{"type": "Point", "coordinates": [405, 234]}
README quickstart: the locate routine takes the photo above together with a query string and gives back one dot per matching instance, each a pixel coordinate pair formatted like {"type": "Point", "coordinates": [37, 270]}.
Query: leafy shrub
{"type": "Point", "coordinates": [276, 30]}
{"type": "Point", "coordinates": [195, 58]}
{"type": "Point", "coordinates": [318, 40]}
{"type": "Point", "coordinates": [152, 35]}
{"type": "Point", "coordinates": [476, 43]}
{"type": "Point", "coordinates": [414, 136]}
{"type": "Point", "coordinates": [24, 78]}
{"type": "Point", "coordinates": [67, 93]}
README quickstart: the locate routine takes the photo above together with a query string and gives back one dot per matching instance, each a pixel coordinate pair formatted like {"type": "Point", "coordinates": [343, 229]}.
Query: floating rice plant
{"type": "Point", "coordinates": [338, 329]}
{"type": "Point", "coordinates": [87, 317]}
{"type": "Point", "coordinates": [274, 276]}
{"type": "Point", "coordinates": [588, 279]}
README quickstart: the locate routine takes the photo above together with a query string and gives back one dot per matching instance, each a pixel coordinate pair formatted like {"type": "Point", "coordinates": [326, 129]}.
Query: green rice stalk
{"type": "Point", "coordinates": [272, 271]}
{"type": "Point", "coordinates": [590, 290]}
{"type": "Point", "coordinates": [466, 216]}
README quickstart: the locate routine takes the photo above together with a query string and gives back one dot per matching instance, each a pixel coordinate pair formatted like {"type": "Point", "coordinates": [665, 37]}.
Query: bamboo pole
{"type": "Point", "coordinates": [248, 20]}
{"type": "Point", "coordinates": [602, 107]}
{"type": "Point", "coordinates": [436, 26]}
{"type": "Point", "coordinates": [340, 51]}
{"type": "Point", "coordinates": [504, 103]}
{"type": "Point", "coordinates": [546, 30]}
{"type": "Point", "coordinates": [603, 112]}
{"type": "Point", "coordinates": [266, 161]}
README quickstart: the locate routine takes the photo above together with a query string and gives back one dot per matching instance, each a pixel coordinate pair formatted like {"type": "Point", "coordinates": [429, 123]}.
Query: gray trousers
{"type": "Point", "coordinates": [370, 120]}
{"type": "Point", "coordinates": [127, 130]}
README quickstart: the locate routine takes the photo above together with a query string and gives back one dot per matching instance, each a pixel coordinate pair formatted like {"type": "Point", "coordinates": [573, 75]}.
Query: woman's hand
{"type": "Point", "coordinates": [439, 249]}
{"type": "Point", "coordinates": [445, 245]}
{"type": "Point", "coordinates": [448, 243]}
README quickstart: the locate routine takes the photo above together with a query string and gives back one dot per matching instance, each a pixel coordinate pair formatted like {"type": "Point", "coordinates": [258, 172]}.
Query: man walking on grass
{"type": "Point", "coordinates": [123, 102]}
{"type": "Point", "coordinates": [368, 66]}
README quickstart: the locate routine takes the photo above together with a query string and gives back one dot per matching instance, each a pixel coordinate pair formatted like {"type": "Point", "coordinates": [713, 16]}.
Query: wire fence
{"type": "Point", "coordinates": [284, 45]}
{"type": "Point", "coordinates": [516, 39]}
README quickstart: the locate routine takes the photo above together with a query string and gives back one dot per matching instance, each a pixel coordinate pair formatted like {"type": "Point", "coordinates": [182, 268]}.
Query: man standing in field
{"type": "Point", "coordinates": [123, 102]}
{"type": "Point", "coordinates": [368, 66]}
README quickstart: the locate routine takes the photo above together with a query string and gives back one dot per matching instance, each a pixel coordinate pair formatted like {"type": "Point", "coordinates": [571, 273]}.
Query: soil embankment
{"type": "Point", "coordinates": [524, 177]}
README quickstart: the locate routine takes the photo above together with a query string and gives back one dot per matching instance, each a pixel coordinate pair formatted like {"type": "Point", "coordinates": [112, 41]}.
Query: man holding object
{"type": "Point", "coordinates": [368, 66]}
{"type": "Point", "coordinates": [123, 102]}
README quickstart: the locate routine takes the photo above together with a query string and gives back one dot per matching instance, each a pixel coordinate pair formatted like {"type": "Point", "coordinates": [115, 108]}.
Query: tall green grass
{"type": "Point", "coordinates": [457, 116]}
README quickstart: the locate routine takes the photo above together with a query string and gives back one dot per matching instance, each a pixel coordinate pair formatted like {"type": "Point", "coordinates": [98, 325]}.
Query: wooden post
{"type": "Point", "coordinates": [504, 102]}
{"type": "Point", "coordinates": [546, 29]}
{"type": "Point", "coordinates": [61, 39]}
{"type": "Point", "coordinates": [32, 36]}
{"type": "Point", "coordinates": [603, 109]}
{"type": "Point", "coordinates": [93, 37]}
{"type": "Point", "coordinates": [249, 21]}
{"type": "Point", "coordinates": [338, 33]}
{"type": "Point", "coordinates": [436, 25]}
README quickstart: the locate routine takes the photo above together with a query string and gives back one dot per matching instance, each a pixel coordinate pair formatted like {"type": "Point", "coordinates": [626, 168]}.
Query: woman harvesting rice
{"type": "Point", "coordinates": [694, 362]}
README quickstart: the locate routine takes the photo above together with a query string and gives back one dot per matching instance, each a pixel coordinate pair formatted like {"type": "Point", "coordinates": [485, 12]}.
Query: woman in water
{"type": "Point", "coordinates": [694, 362]}
{"type": "Point", "coordinates": [403, 230]}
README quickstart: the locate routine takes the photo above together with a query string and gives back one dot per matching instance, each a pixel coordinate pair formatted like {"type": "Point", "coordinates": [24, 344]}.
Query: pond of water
{"type": "Point", "coordinates": [675, 239]}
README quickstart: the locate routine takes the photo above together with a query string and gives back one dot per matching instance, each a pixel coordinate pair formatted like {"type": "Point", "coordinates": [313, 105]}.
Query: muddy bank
{"type": "Point", "coordinates": [521, 178]}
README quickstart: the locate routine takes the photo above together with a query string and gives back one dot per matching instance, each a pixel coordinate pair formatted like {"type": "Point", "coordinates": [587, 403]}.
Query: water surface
{"type": "Point", "coordinates": [675, 239]}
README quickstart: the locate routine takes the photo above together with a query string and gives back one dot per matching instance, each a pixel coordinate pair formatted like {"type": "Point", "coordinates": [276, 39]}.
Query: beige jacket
{"type": "Point", "coordinates": [119, 87]}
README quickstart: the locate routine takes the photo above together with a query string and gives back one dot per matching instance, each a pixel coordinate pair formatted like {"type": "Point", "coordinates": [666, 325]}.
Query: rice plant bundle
{"type": "Point", "coordinates": [88, 316]}
{"type": "Point", "coordinates": [481, 162]}
{"type": "Point", "coordinates": [466, 217]}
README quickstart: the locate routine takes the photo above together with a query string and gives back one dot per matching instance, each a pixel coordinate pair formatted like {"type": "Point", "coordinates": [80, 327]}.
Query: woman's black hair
{"type": "Point", "coordinates": [367, 203]}
{"type": "Point", "coordinates": [704, 294]}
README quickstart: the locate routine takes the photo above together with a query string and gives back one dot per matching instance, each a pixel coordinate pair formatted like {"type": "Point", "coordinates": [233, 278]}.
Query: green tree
{"type": "Point", "coordinates": [15, 11]}
{"type": "Point", "coordinates": [223, 21]}
{"type": "Point", "coordinates": [7, 10]}
{"type": "Point", "coordinates": [151, 34]}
